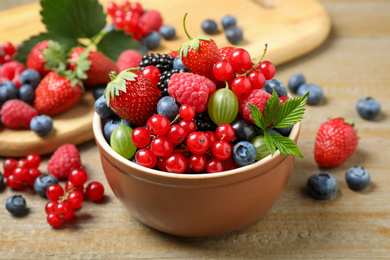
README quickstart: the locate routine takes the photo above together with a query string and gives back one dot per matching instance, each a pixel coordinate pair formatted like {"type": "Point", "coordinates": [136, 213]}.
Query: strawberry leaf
{"type": "Point", "coordinates": [290, 112]}
{"type": "Point", "coordinates": [184, 49]}
{"type": "Point", "coordinates": [55, 57]}
{"type": "Point", "coordinates": [257, 116]}
{"type": "Point", "coordinates": [118, 84]}
{"type": "Point", "coordinates": [271, 108]}
{"type": "Point", "coordinates": [194, 43]}
{"type": "Point", "coordinates": [83, 65]}
{"type": "Point", "coordinates": [203, 37]}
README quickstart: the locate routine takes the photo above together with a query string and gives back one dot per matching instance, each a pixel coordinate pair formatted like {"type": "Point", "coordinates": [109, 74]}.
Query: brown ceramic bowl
{"type": "Point", "coordinates": [196, 204]}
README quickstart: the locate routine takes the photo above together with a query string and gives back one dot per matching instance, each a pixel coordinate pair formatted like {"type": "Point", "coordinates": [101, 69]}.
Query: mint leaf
{"type": "Point", "coordinates": [285, 145]}
{"type": "Point", "coordinates": [271, 108]}
{"type": "Point", "coordinates": [291, 112]}
{"type": "Point", "coordinates": [269, 142]}
{"type": "Point", "coordinates": [115, 42]}
{"type": "Point", "coordinates": [73, 18]}
{"type": "Point", "coordinates": [257, 116]}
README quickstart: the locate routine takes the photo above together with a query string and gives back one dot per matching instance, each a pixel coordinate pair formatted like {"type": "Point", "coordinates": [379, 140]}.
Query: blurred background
{"type": "Point", "coordinates": [8, 4]}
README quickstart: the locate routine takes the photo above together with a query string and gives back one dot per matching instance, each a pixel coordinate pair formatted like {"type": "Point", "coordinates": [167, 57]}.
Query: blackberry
{"type": "Point", "coordinates": [164, 78]}
{"type": "Point", "coordinates": [163, 62]}
{"type": "Point", "coordinates": [204, 122]}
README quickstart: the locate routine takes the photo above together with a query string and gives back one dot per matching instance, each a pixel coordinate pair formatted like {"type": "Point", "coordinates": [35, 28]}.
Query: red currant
{"type": "Point", "coordinates": [187, 112]}
{"type": "Point", "coordinates": [241, 85]}
{"type": "Point", "coordinates": [9, 165]}
{"type": "Point", "coordinates": [153, 74]}
{"type": "Point", "coordinates": [94, 191]}
{"type": "Point", "coordinates": [54, 192]}
{"type": "Point", "coordinates": [222, 150]}
{"type": "Point", "coordinates": [257, 79]}
{"type": "Point", "coordinates": [22, 163]}
{"type": "Point", "coordinates": [70, 186]}
{"type": "Point", "coordinates": [282, 100]}
{"type": "Point", "coordinates": [225, 132]}
{"type": "Point", "coordinates": [63, 209]}
{"type": "Point", "coordinates": [9, 48]}
{"type": "Point", "coordinates": [188, 125]}
{"type": "Point", "coordinates": [240, 59]}
{"type": "Point", "coordinates": [268, 69]}
{"type": "Point", "coordinates": [136, 8]}
{"type": "Point", "coordinates": [197, 142]}
{"type": "Point", "coordinates": [212, 138]}
{"type": "Point", "coordinates": [161, 164]}
{"type": "Point", "coordinates": [78, 177]}
{"type": "Point", "coordinates": [140, 137]}
{"type": "Point", "coordinates": [111, 8]}
{"type": "Point", "coordinates": [12, 183]}
{"type": "Point", "coordinates": [176, 134]}
{"type": "Point", "coordinates": [69, 216]}
{"type": "Point", "coordinates": [161, 146]}
{"type": "Point", "coordinates": [51, 206]}
{"type": "Point", "coordinates": [176, 163]}
{"type": "Point", "coordinates": [197, 162]}
{"type": "Point", "coordinates": [145, 157]}
{"type": "Point", "coordinates": [157, 125]}
{"type": "Point", "coordinates": [33, 173]}
{"type": "Point", "coordinates": [75, 199]}
{"type": "Point", "coordinates": [53, 220]}
{"type": "Point", "coordinates": [223, 70]}
{"type": "Point", "coordinates": [119, 22]}
{"type": "Point", "coordinates": [125, 6]}
{"type": "Point", "coordinates": [214, 165]}
{"type": "Point", "coordinates": [33, 160]}
{"type": "Point", "coordinates": [20, 174]}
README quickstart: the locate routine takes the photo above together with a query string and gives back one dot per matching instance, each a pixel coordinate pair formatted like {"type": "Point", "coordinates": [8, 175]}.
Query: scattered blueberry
{"type": "Point", "coordinates": [316, 95]}
{"type": "Point", "coordinates": [178, 64]}
{"type": "Point", "coordinates": [228, 21]}
{"type": "Point", "coordinates": [98, 91]}
{"type": "Point", "coordinates": [30, 77]}
{"type": "Point", "coordinates": [168, 32]}
{"type": "Point", "coordinates": [152, 40]}
{"type": "Point", "coordinates": [102, 109]}
{"type": "Point", "coordinates": [322, 185]}
{"type": "Point", "coordinates": [112, 124]}
{"type": "Point", "coordinates": [234, 34]}
{"type": "Point", "coordinates": [209, 26]}
{"type": "Point", "coordinates": [26, 93]}
{"type": "Point", "coordinates": [296, 81]}
{"type": "Point", "coordinates": [368, 107]}
{"type": "Point", "coordinates": [16, 205]}
{"type": "Point", "coordinates": [168, 107]}
{"type": "Point", "coordinates": [41, 125]}
{"type": "Point", "coordinates": [244, 153]}
{"type": "Point", "coordinates": [43, 182]}
{"type": "Point", "coordinates": [285, 131]}
{"type": "Point", "coordinates": [244, 130]}
{"type": "Point", "coordinates": [276, 84]}
{"type": "Point", "coordinates": [357, 178]}
{"type": "Point", "coordinates": [8, 90]}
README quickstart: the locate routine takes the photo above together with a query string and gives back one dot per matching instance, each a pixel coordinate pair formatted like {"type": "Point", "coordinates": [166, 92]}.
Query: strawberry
{"type": "Point", "coordinates": [17, 114]}
{"type": "Point", "coordinates": [56, 94]}
{"type": "Point", "coordinates": [63, 161]}
{"type": "Point", "coordinates": [96, 66]}
{"type": "Point", "coordinates": [128, 59]}
{"type": "Point", "coordinates": [132, 96]}
{"type": "Point", "coordinates": [200, 54]}
{"type": "Point", "coordinates": [335, 142]}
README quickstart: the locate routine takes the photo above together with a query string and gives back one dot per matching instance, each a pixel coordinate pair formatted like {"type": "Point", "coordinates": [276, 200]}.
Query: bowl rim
{"type": "Point", "coordinates": [99, 138]}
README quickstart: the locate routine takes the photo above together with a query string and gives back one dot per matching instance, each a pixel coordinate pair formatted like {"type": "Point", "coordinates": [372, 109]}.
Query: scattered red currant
{"type": "Point", "coordinates": [33, 160]}
{"type": "Point", "coordinates": [51, 206]}
{"type": "Point", "coordinates": [54, 192]}
{"type": "Point", "coordinates": [75, 199]}
{"type": "Point", "coordinates": [53, 219]}
{"type": "Point", "coordinates": [9, 165]}
{"type": "Point", "coordinates": [94, 191]}
{"type": "Point", "coordinates": [78, 177]}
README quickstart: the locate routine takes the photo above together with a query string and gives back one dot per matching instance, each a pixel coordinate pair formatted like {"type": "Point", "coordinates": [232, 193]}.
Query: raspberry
{"type": "Point", "coordinates": [257, 98]}
{"type": "Point", "coordinates": [152, 19]}
{"type": "Point", "coordinates": [63, 161]}
{"type": "Point", "coordinates": [191, 89]}
{"type": "Point", "coordinates": [12, 70]}
{"type": "Point", "coordinates": [17, 114]}
{"type": "Point", "coordinates": [128, 59]}
{"type": "Point", "coordinates": [226, 51]}
{"type": "Point", "coordinates": [174, 54]}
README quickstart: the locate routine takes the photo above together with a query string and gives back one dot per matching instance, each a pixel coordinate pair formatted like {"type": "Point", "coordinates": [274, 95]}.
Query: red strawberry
{"type": "Point", "coordinates": [95, 65]}
{"type": "Point", "coordinates": [226, 51]}
{"type": "Point", "coordinates": [56, 94]}
{"type": "Point", "coordinates": [17, 114]}
{"type": "Point", "coordinates": [335, 142]}
{"type": "Point", "coordinates": [128, 59]}
{"type": "Point", "coordinates": [63, 161]}
{"type": "Point", "coordinates": [11, 71]}
{"type": "Point", "coordinates": [132, 96]}
{"type": "Point", "coordinates": [200, 54]}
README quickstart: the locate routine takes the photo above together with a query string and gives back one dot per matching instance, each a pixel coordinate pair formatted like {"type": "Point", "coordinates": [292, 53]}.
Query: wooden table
{"type": "Point", "coordinates": [353, 62]}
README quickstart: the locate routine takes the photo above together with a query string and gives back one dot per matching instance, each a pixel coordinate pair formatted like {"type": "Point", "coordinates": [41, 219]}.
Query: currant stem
{"type": "Point", "coordinates": [184, 25]}
{"type": "Point", "coordinates": [64, 197]}
{"type": "Point", "coordinates": [256, 64]}
{"type": "Point", "coordinates": [176, 118]}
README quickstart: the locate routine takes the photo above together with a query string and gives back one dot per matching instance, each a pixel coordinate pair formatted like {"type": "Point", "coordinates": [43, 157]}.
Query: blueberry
{"type": "Point", "coordinates": [102, 109]}
{"type": "Point", "coordinates": [1, 180]}
{"type": "Point", "coordinates": [357, 178]}
{"type": "Point", "coordinates": [152, 40]}
{"type": "Point", "coordinates": [112, 124]}
{"type": "Point", "coordinates": [295, 81]}
{"type": "Point", "coordinates": [168, 107]}
{"type": "Point", "coordinates": [41, 125]}
{"type": "Point", "coordinates": [322, 185]}
{"type": "Point", "coordinates": [168, 32]}
{"type": "Point", "coordinates": [276, 84]}
{"type": "Point", "coordinates": [273, 131]}
{"type": "Point", "coordinates": [285, 131]}
{"type": "Point", "coordinates": [30, 77]}
{"type": "Point", "coordinates": [26, 93]}
{"type": "Point", "coordinates": [98, 91]}
{"type": "Point", "coordinates": [43, 182]}
{"type": "Point", "coordinates": [227, 21]}
{"type": "Point", "coordinates": [368, 107]}
{"type": "Point", "coordinates": [234, 34]}
{"type": "Point", "coordinates": [178, 64]}
{"type": "Point", "coordinates": [244, 153]}
{"type": "Point", "coordinates": [8, 90]}
{"type": "Point", "coordinates": [16, 205]}
{"type": "Point", "coordinates": [209, 26]}
{"type": "Point", "coordinates": [316, 95]}
{"type": "Point", "coordinates": [244, 130]}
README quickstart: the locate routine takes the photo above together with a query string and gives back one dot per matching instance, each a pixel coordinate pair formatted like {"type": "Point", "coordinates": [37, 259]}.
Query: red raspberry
{"type": "Point", "coordinates": [152, 19]}
{"type": "Point", "coordinates": [173, 54]}
{"type": "Point", "coordinates": [12, 70]}
{"type": "Point", "coordinates": [191, 89]}
{"type": "Point", "coordinates": [128, 59]}
{"type": "Point", "coordinates": [256, 97]}
{"type": "Point", "coordinates": [17, 114]}
{"type": "Point", "coordinates": [63, 161]}
{"type": "Point", "coordinates": [226, 51]}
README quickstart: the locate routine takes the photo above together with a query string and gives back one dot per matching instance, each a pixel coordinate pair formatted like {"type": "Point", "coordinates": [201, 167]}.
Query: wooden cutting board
{"type": "Point", "coordinates": [291, 28]}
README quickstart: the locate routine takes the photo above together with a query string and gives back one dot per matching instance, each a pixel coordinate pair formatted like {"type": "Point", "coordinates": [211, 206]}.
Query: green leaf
{"type": "Point", "coordinates": [291, 112]}
{"type": "Point", "coordinates": [285, 145]}
{"type": "Point", "coordinates": [83, 65]}
{"type": "Point", "coordinates": [194, 43]}
{"type": "Point", "coordinates": [113, 43]}
{"type": "Point", "coordinates": [257, 116]}
{"type": "Point", "coordinates": [271, 108]}
{"type": "Point", "coordinates": [55, 56]}
{"type": "Point", "coordinates": [118, 84]}
{"type": "Point", "coordinates": [184, 49]}
{"type": "Point", "coordinates": [269, 142]}
{"type": "Point", "coordinates": [73, 18]}
{"type": "Point", "coordinates": [203, 37]}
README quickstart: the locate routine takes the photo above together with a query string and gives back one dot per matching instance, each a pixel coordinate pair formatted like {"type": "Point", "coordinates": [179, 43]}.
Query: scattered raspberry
{"type": "Point", "coordinates": [257, 98]}
{"type": "Point", "coordinates": [191, 89]}
{"type": "Point", "coordinates": [11, 71]}
{"type": "Point", "coordinates": [63, 161]}
{"type": "Point", "coordinates": [226, 51]}
{"type": "Point", "coordinates": [17, 114]}
{"type": "Point", "coordinates": [129, 59]}
{"type": "Point", "coordinates": [152, 19]}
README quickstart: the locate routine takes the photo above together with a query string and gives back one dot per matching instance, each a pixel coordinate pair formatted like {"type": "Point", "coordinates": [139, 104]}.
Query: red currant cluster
{"type": "Point", "coordinates": [162, 144]}
{"type": "Point", "coordinates": [25, 170]}
{"type": "Point", "coordinates": [61, 206]}
{"type": "Point", "coordinates": [241, 73]}
{"type": "Point", "coordinates": [7, 50]}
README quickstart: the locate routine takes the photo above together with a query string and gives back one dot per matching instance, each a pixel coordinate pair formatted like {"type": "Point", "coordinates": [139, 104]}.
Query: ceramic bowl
{"type": "Point", "coordinates": [195, 205]}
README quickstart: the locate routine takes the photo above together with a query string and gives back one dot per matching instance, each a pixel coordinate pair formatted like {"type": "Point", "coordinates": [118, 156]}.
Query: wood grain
{"type": "Point", "coordinates": [353, 62]}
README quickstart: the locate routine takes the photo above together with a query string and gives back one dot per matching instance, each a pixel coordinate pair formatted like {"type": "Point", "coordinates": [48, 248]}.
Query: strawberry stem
{"type": "Point", "coordinates": [184, 25]}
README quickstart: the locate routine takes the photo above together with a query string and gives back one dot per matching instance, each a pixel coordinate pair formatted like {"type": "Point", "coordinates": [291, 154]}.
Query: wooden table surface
{"type": "Point", "coordinates": [353, 62]}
